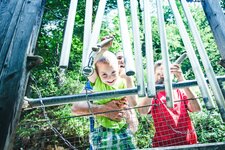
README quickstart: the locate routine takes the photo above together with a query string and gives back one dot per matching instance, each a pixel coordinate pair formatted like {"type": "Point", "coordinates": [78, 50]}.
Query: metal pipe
{"type": "Point", "coordinates": [59, 100]}
{"type": "Point", "coordinates": [87, 30]}
{"type": "Point", "coordinates": [222, 109]}
{"type": "Point", "coordinates": [89, 69]}
{"type": "Point", "coordinates": [105, 42]}
{"type": "Point", "coordinates": [86, 40]}
{"type": "Point", "coordinates": [96, 29]}
{"type": "Point", "coordinates": [149, 50]}
{"type": "Point", "coordinates": [205, 60]}
{"type": "Point", "coordinates": [67, 40]}
{"type": "Point", "coordinates": [137, 49]}
{"type": "Point", "coordinates": [193, 59]}
{"type": "Point", "coordinates": [128, 57]}
{"type": "Point", "coordinates": [102, 44]}
{"type": "Point", "coordinates": [165, 55]}
{"type": "Point", "coordinates": [181, 58]}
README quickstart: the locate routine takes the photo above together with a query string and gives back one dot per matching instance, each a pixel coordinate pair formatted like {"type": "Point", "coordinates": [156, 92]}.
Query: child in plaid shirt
{"type": "Point", "coordinates": [106, 77]}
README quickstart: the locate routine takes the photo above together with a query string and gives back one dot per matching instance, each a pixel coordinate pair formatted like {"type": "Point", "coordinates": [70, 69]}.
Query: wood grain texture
{"type": "Point", "coordinates": [19, 26]}
{"type": "Point", "coordinates": [216, 19]}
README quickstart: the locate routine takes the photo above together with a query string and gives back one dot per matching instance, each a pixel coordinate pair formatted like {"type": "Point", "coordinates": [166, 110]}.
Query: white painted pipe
{"type": "Point", "coordinates": [128, 57]}
{"type": "Point", "coordinates": [137, 49]}
{"type": "Point", "coordinates": [149, 50]}
{"type": "Point", "coordinates": [204, 57]}
{"type": "Point", "coordinates": [165, 56]}
{"type": "Point", "coordinates": [87, 30]}
{"type": "Point", "coordinates": [67, 40]}
{"type": "Point", "coordinates": [96, 29]}
{"type": "Point", "coordinates": [193, 58]}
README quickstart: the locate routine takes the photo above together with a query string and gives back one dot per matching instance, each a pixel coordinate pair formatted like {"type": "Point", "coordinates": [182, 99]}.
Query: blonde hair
{"type": "Point", "coordinates": [106, 58]}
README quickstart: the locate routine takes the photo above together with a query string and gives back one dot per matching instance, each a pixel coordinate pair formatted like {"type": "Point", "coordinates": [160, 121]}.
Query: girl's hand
{"type": "Point", "coordinates": [176, 70]}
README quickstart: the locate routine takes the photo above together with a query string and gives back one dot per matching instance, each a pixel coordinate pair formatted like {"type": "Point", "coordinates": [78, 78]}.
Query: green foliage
{"type": "Point", "coordinates": [145, 132]}
{"type": "Point", "coordinates": [208, 39]}
{"type": "Point", "coordinates": [34, 129]}
{"type": "Point", "coordinates": [222, 2]}
{"type": "Point", "coordinates": [209, 126]}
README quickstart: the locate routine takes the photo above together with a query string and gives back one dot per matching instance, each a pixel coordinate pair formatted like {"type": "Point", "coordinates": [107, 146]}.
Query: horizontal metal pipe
{"type": "Point", "coordinates": [58, 100]}
{"type": "Point", "coordinates": [102, 44]}
{"type": "Point", "coordinates": [105, 42]}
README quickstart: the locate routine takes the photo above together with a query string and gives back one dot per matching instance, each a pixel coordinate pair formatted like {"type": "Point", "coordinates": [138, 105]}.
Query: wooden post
{"type": "Point", "coordinates": [20, 21]}
{"type": "Point", "coordinates": [216, 19]}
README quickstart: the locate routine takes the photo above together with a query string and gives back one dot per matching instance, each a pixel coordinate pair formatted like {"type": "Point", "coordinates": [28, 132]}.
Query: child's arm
{"type": "Point", "coordinates": [132, 120]}
{"type": "Point", "coordinates": [92, 78]}
{"type": "Point", "coordinates": [131, 117]}
{"type": "Point", "coordinates": [144, 105]}
{"type": "Point", "coordinates": [132, 99]}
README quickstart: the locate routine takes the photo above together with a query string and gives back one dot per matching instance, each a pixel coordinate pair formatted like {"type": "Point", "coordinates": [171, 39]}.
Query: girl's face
{"type": "Point", "coordinates": [159, 75]}
{"type": "Point", "coordinates": [108, 73]}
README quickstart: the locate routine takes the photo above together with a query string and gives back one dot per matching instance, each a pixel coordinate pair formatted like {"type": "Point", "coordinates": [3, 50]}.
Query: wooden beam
{"type": "Point", "coordinates": [216, 19]}
{"type": "Point", "coordinates": [20, 21]}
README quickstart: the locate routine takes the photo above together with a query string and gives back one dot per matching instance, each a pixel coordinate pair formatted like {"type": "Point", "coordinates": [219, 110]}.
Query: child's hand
{"type": "Point", "coordinates": [122, 72]}
{"type": "Point", "coordinates": [176, 70]}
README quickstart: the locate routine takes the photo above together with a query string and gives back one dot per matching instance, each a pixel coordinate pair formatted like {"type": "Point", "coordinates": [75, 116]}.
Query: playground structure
{"type": "Point", "coordinates": [17, 57]}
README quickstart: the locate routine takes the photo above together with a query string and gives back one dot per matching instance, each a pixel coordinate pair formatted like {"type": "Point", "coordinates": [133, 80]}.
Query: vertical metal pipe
{"type": "Point", "coordinates": [128, 58]}
{"type": "Point", "coordinates": [205, 60]}
{"type": "Point", "coordinates": [86, 40]}
{"type": "Point", "coordinates": [165, 55]}
{"type": "Point", "coordinates": [141, 5]}
{"type": "Point", "coordinates": [96, 28]}
{"type": "Point", "coordinates": [193, 59]}
{"type": "Point", "coordinates": [149, 50]}
{"type": "Point", "coordinates": [87, 30]}
{"type": "Point", "coordinates": [67, 40]}
{"type": "Point", "coordinates": [137, 49]}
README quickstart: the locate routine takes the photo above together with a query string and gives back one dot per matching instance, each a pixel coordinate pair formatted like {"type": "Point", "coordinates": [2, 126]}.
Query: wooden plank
{"type": "Point", "coordinates": [20, 37]}
{"type": "Point", "coordinates": [216, 19]}
{"type": "Point", "coordinates": [7, 9]}
{"type": "Point", "coordinates": [9, 14]}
